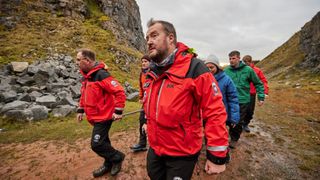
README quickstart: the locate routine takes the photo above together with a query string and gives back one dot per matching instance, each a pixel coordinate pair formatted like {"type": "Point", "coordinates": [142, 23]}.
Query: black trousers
{"type": "Point", "coordinates": [237, 130]}
{"type": "Point", "coordinates": [100, 143]}
{"type": "Point", "coordinates": [167, 167]}
{"type": "Point", "coordinates": [142, 136]}
{"type": "Point", "coordinates": [250, 111]}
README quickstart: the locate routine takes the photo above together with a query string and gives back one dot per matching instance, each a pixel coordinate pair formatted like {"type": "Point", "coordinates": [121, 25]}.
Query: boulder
{"type": "Point", "coordinates": [63, 111]}
{"type": "Point", "coordinates": [133, 96]}
{"type": "Point", "coordinates": [8, 96]}
{"type": "Point", "coordinates": [48, 101]}
{"type": "Point", "coordinates": [26, 80]}
{"type": "Point", "coordinates": [75, 90]}
{"type": "Point", "coordinates": [34, 95]}
{"type": "Point", "coordinates": [15, 105]}
{"type": "Point", "coordinates": [19, 66]}
{"type": "Point", "coordinates": [19, 115]}
{"type": "Point", "coordinates": [39, 112]}
{"type": "Point", "coordinates": [25, 97]}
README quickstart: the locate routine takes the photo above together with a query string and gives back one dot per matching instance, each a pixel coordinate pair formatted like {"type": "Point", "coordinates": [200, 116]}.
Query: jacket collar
{"type": "Point", "coordinates": [98, 66]}
{"type": "Point", "coordinates": [180, 65]}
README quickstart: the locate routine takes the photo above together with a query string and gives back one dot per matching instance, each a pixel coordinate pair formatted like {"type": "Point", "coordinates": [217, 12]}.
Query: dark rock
{"type": "Point", "coordinates": [39, 112]}
{"type": "Point", "coordinates": [8, 96]}
{"type": "Point", "coordinates": [128, 23]}
{"type": "Point", "coordinates": [18, 105]}
{"type": "Point", "coordinates": [63, 111]}
{"type": "Point", "coordinates": [67, 101]}
{"type": "Point", "coordinates": [32, 70]}
{"type": "Point", "coordinates": [19, 115]}
{"type": "Point", "coordinates": [310, 44]}
{"type": "Point", "coordinates": [24, 97]}
{"type": "Point", "coordinates": [34, 95]}
{"type": "Point", "coordinates": [133, 96]}
{"type": "Point", "coordinates": [48, 101]}
{"type": "Point", "coordinates": [17, 88]}
{"type": "Point", "coordinates": [75, 90]}
{"type": "Point", "coordinates": [26, 80]}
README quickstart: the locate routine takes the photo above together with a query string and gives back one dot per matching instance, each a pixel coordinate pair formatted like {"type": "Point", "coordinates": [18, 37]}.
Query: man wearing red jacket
{"type": "Point", "coordinates": [248, 60]}
{"type": "Point", "coordinates": [102, 100]}
{"type": "Point", "coordinates": [180, 96]}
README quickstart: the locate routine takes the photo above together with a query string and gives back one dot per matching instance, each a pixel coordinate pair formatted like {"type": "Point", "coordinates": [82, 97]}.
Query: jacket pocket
{"type": "Point", "coordinates": [92, 99]}
{"type": "Point", "coordinates": [171, 107]}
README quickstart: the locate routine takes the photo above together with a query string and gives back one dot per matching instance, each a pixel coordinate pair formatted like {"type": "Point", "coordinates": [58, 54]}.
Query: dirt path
{"type": "Point", "coordinates": [257, 157]}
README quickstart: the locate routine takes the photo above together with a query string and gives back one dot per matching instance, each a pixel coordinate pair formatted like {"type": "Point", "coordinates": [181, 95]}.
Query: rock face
{"type": "Point", "coordinates": [310, 44]}
{"type": "Point", "coordinates": [124, 15]}
{"type": "Point", "coordinates": [125, 22]}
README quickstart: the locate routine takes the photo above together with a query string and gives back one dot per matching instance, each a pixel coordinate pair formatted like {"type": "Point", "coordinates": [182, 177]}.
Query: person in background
{"type": "Point", "coordinates": [102, 100]}
{"type": "Point", "coordinates": [141, 146]}
{"type": "Point", "coordinates": [227, 88]}
{"type": "Point", "coordinates": [180, 95]}
{"type": "Point", "coordinates": [242, 75]}
{"type": "Point", "coordinates": [247, 59]}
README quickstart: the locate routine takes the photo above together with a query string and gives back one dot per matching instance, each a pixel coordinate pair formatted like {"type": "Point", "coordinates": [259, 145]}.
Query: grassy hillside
{"type": "Point", "coordinates": [40, 33]}
{"type": "Point", "coordinates": [284, 59]}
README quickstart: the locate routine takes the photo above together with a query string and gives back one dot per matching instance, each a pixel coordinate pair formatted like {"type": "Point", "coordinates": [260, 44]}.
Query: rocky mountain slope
{"type": "Point", "coordinates": [40, 38]}
{"type": "Point", "coordinates": [300, 55]}
{"type": "Point", "coordinates": [34, 29]}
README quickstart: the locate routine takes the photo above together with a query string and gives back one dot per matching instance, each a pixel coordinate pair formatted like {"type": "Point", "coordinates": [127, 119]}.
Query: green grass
{"type": "Point", "coordinates": [36, 37]}
{"type": "Point", "coordinates": [65, 129]}
{"type": "Point", "coordinates": [289, 109]}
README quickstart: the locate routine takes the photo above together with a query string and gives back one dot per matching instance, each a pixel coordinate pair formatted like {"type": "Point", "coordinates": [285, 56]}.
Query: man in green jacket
{"type": "Point", "coordinates": [242, 75]}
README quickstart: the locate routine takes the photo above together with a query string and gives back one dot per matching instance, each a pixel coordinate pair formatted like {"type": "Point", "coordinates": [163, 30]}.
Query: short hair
{"type": "Point", "coordinates": [88, 54]}
{"type": "Point", "coordinates": [233, 53]}
{"type": "Point", "coordinates": [247, 58]}
{"type": "Point", "coordinates": [168, 27]}
{"type": "Point", "coordinates": [146, 57]}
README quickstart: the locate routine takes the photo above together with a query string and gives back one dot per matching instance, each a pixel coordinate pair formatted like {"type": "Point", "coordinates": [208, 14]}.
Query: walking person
{"type": "Point", "coordinates": [227, 88]}
{"type": "Point", "coordinates": [247, 59]}
{"type": "Point", "coordinates": [242, 75]}
{"type": "Point", "coordinates": [142, 144]}
{"type": "Point", "coordinates": [180, 94]}
{"type": "Point", "coordinates": [102, 100]}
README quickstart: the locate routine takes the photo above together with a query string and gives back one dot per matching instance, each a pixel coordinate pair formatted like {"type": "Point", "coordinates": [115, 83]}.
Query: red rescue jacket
{"type": "Point", "coordinates": [262, 78]}
{"type": "Point", "coordinates": [101, 95]}
{"type": "Point", "coordinates": [176, 104]}
{"type": "Point", "coordinates": [142, 79]}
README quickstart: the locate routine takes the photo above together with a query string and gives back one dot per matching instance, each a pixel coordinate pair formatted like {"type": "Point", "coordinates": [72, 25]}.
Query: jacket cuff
{"type": "Point", "coordinates": [80, 110]}
{"type": "Point", "coordinates": [118, 111]}
{"type": "Point", "coordinates": [215, 159]}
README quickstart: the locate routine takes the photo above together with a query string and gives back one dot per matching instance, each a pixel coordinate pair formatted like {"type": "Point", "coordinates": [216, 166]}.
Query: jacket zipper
{"type": "Point", "coordinates": [158, 100]}
{"type": "Point", "coordinates": [148, 104]}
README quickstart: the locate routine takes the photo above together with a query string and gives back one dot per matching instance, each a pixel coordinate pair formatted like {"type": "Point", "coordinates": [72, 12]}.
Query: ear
{"type": "Point", "coordinates": [171, 38]}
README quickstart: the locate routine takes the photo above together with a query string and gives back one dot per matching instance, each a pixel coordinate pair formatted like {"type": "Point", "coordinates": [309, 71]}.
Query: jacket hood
{"type": "Point", "coordinates": [219, 75]}
{"type": "Point", "coordinates": [182, 60]}
{"type": "Point", "coordinates": [241, 65]}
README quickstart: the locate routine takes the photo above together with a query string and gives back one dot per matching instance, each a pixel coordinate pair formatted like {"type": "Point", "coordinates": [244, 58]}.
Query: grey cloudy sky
{"type": "Point", "coordinates": [254, 27]}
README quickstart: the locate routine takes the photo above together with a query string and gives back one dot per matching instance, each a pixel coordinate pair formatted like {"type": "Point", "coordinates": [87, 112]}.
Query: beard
{"type": "Point", "coordinates": [158, 55]}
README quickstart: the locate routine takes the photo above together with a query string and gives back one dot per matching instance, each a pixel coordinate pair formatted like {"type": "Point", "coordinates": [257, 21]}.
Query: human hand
{"type": "Point", "coordinates": [260, 103]}
{"type": "Point", "coordinates": [140, 101]}
{"type": "Point", "coordinates": [116, 117]}
{"type": "Point", "coordinates": [144, 129]}
{"type": "Point", "coordinates": [233, 125]}
{"type": "Point", "coordinates": [212, 168]}
{"type": "Point", "coordinates": [79, 117]}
